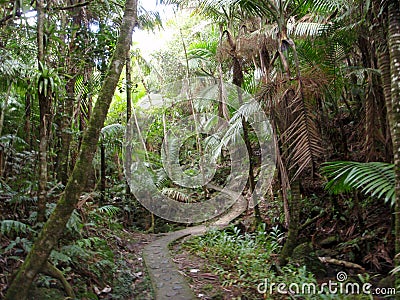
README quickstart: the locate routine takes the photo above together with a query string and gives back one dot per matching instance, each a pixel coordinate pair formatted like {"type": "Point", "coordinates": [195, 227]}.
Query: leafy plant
{"type": "Point", "coordinates": [243, 259]}
{"type": "Point", "coordinates": [47, 80]}
{"type": "Point", "coordinates": [372, 178]}
{"type": "Point", "coordinates": [8, 226]}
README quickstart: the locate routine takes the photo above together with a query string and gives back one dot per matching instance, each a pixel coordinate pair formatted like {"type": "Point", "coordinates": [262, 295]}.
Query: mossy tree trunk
{"type": "Point", "coordinates": [55, 225]}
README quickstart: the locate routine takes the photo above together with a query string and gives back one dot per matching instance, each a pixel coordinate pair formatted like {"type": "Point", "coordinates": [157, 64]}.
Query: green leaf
{"type": "Point", "coordinates": [8, 226]}
{"type": "Point", "coordinates": [375, 179]}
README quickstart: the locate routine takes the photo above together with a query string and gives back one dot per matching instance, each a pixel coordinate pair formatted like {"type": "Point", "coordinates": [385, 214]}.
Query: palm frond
{"type": "Point", "coordinates": [324, 6]}
{"type": "Point", "coordinates": [149, 20]}
{"type": "Point", "coordinates": [203, 49]}
{"type": "Point", "coordinates": [376, 179]}
{"type": "Point", "coordinates": [308, 29]}
{"type": "Point", "coordinates": [176, 194]}
{"type": "Point", "coordinates": [112, 132]}
{"type": "Point", "coordinates": [160, 178]}
{"type": "Point", "coordinates": [302, 138]}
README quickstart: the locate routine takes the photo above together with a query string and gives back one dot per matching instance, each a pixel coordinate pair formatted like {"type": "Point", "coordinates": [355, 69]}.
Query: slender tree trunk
{"type": "Point", "coordinates": [291, 241]}
{"type": "Point", "coordinates": [238, 81]}
{"type": "Point", "coordinates": [383, 57]}
{"type": "Point", "coordinates": [128, 69]}
{"type": "Point", "coordinates": [45, 116]}
{"type": "Point", "coordinates": [66, 134]}
{"type": "Point", "coordinates": [394, 50]}
{"type": "Point", "coordinates": [68, 107]}
{"type": "Point", "coordinates": [27, 126]}
{"type": "Point", "coordinates": [102, 173]}
{"type": "Point", "coordinates": [223, 111]}
{"type": "Point", "coordinates": [54, 227]}
{"type": "Point", "coordinates": [4, 108]}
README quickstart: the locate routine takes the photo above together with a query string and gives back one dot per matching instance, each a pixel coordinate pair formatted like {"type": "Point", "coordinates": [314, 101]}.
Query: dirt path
{"type": "Point", "coordinates": [167, 282]}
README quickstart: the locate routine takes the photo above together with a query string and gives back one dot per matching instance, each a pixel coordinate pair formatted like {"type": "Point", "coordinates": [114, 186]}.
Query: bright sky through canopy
{"type": "Point", "coordinates": [148, 41]}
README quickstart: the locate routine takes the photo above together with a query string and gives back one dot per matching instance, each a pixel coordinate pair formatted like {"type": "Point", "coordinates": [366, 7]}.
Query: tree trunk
{"type": "Point", "coordinates": [238, 81]}
{"type": "Point", "coordinates": [291, 240]}
{"type": "Point", "coordinates": [53, 229]}
{"type": "Point", "coordinates": [68, 107]}
{"type": "Point", "coordinates": [66, 134]}
{"type": "Point", "coordinates": [45, 116]}
{"type": "Point", "coordinates": [4, 108]}
{"type": "Point", "coordinates": [27, 126]}
{"type": "Point", "coordinates": [394, 50]}
{"type": "Point", "coordinates": [128, 69]}
{"type": "Point", "coordinates": [102, 173]}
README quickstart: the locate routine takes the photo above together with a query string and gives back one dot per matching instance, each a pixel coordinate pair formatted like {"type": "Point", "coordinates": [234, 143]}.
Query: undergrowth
{"type": "Point", "coordinates": [249, 261]}
{"type": "Point", "coordinates": [88, 255]}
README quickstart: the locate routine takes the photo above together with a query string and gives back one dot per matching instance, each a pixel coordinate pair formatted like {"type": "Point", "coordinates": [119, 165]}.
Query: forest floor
{"type": "Point", "coordinates": [205, 285]}
{"type": "Point", "coordinates": [168, 281]}
{"type": "Point", "coordinates": [131, 279]}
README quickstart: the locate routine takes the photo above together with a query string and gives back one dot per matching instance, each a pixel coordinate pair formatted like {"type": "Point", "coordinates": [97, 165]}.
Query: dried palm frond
{"type": "Point", "coordinates": [176, 195]}
{"type": "Point", "coordinates": [290, 109]}
{"type": "Point", "coordinates": [302, 138]}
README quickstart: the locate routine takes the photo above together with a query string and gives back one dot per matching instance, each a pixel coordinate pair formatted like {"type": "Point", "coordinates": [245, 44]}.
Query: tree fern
{"type": "Point", "coordinates": [373, 178]}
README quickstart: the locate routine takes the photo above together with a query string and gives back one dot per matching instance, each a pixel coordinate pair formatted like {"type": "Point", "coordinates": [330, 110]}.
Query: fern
{"type": "Point", "coordinates": [24, 243]}
{"type": "Point", "coordinates": [373, 178]}
{"type": "Point", "coordinates": [89, 242]}
{"type": "Point", "coordinates": [160, 178]}
{"type": "Point", "coordinates": [56, 257]}
{"type": "Point", "coordinates": [75, 251]}
{"type": "Point", "coordinates": [9, 139]}
{"type": "Point", "coordinates": [108, 210]}
{"type": "Point", "coordinates": [8, 226]}
{"type": "Point", "coordinates": [75, 222]}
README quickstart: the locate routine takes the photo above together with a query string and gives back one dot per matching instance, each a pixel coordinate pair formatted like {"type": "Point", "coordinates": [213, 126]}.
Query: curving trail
{"type": "Point", "coordinates": [167, 282]}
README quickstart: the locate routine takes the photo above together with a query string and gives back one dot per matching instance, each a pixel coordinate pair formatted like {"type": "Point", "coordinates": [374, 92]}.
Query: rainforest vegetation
{"type": "Point", "coordinates": [75, 78]}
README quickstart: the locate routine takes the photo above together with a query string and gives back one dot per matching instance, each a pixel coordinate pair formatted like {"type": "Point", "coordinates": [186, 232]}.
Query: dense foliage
{"type": "Point", "coordinates": [326, 74]}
